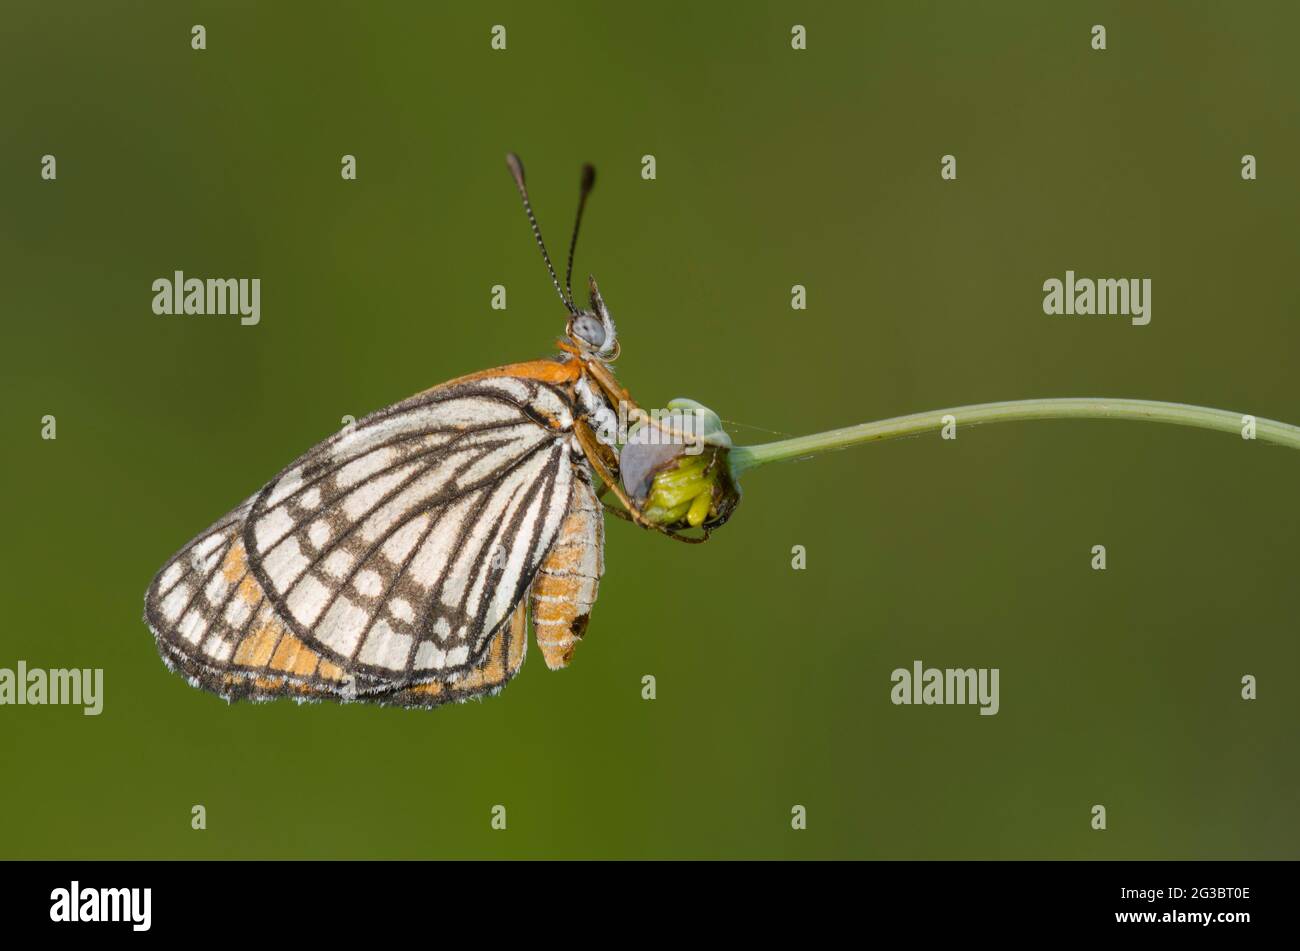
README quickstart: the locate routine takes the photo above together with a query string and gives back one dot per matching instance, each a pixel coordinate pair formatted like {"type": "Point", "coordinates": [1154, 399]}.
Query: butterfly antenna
{"type": "Point", "coordinates": [588, 180]}
{"type": "Point", "coordinates": [517, 172]}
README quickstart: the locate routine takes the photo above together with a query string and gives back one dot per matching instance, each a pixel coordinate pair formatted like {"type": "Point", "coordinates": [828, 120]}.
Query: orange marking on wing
{"type": "Point", "coordinates": [492, 672]}
{"type": "Point", "coordinates": [235, 565]}
{"type": "Point", "coordinates": [501, 661]}
{"type": "Point", "coordinates": [306, 662]}
{"type": "Point", "coordinates": [518, 636]}
{"type": "Point", "coordinates": [287, 653]}
{"type": "Point", "coordinates": [249, 590]}
{"type": "Point", "coordinates": [255, 650]}
{"type": "Point", "coordinates": [330, 671]}
{"type": "Point", "coordinates": [293, 656]}
{"type": "Point", "coordinates": [548, 371]}
{"type": "Point", "coordinates": [425, 690]}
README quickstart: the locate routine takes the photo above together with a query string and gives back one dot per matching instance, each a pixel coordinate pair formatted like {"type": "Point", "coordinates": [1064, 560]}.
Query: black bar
{"type": "Point", "coordinates": [928, 899]}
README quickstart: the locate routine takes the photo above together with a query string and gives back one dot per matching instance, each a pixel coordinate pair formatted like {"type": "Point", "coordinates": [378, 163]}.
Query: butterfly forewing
{"type": "Point", "coordinates": [387, 556]}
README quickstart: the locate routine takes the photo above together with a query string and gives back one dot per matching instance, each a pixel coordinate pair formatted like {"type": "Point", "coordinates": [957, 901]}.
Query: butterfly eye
{"type": "Point", "coordinates": [589, 330]}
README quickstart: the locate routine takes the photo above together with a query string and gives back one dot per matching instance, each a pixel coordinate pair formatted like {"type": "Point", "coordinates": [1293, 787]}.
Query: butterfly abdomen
{"type": "Point", "coordinates": [565, 587]}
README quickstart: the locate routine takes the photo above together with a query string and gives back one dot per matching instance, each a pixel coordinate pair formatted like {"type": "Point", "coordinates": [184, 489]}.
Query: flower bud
{"type": "Point", "coordinates": [674, 465]}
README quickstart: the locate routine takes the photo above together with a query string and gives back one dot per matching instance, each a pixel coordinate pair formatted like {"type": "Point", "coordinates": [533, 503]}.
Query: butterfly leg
{"type": "Point", "coordinates": [598, 454]}
{"type": "Point", "coordinates": [615, 393]}
{"type": "Point", "coordinates": [617, 510]}
{"type": "Point", "coordinates": [620, 512]}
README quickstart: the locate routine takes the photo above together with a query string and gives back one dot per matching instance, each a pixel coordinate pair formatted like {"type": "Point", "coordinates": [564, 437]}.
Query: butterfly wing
{"type": "Point", "coordinates": [388, 556]}
{"type": "Point", "coordinates": [268, 662]}
{"type": "Point", "coordinates": [214, 624]}
{"type": "Point", "coordinates": [500, 662]}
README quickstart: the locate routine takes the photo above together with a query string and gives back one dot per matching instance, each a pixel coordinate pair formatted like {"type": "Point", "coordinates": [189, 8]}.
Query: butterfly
{"type": "Point", "coordinates": [398, 561]}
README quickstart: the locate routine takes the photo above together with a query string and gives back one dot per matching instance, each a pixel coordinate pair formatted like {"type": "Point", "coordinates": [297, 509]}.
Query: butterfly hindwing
{"type": "Point", "coordinates": [271, 663]}
{"type": "Point", "coordinates": [499, 663]}
{"type": "Point", "coordinates": [388, 557]}
{"type": "Point", "coordinates": [214, 624]}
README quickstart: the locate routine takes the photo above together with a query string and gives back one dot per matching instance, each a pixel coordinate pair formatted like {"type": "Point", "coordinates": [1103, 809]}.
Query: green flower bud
{"type": "Point", "coordinates": [675, 466]}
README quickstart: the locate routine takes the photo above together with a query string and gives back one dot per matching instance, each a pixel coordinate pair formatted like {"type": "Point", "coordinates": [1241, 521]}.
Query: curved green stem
{"type": "Point", "coordinates": [1179, 414]}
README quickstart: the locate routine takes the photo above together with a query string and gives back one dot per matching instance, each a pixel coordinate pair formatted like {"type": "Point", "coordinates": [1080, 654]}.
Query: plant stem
{"type": "Point", "coordinates": [1180, 414]}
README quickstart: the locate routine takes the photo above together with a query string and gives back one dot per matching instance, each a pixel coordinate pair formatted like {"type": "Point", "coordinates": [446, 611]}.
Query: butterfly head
{"type": "Point", "coordinates": [591, 330]}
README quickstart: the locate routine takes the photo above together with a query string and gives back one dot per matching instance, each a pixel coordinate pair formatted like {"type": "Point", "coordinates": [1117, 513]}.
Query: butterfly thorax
{"type": "Point", "coordinates": [595, 405]}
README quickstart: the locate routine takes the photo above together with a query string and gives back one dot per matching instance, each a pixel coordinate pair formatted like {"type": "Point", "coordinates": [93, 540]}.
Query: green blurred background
{"type": "Point", "coordinates": [775, 167]}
